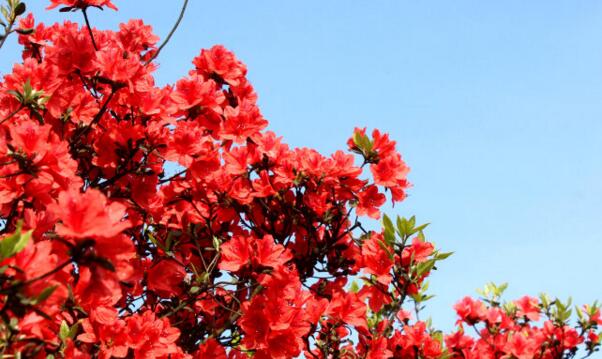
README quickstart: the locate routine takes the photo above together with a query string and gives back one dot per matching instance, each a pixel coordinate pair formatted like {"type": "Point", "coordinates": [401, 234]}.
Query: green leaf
{"type": "Point", "coordinates": [424, 267]}
{"type": "Point", "coordinates": [493, 292]}
{"type": "Point", "coordinates": [194, 289]}
{"type": "Point", "coordinates": [510, 308]}
{"type": "Point", "coordinates": [27, 89]}
{"type": "Point", "coordinates": [216, 243]}
{"type": "Point", "coordinates": [64, 331]}
{"type": "Point", "coordinates": [387, 223]}
{"type": "Point", "coordinates": [169, 242]}
{"type": "Point", "coordinates": [14, 243]}
{"type": "Point", "coordinates": [420, 228]}
{"type": "Point", "coordinates": [22, 241]}
{"type": "Point", "coordinates": [412, 222]}
{"type": "Point", "coordinates": [47, 292]}
{"type": "Point", "coordinates": [362, 142]}
{"type": "Point", "coordinates": [73, 330]}
{"type": "Point", "coordinates": [545, 300]}
{"type": "Point", "coordinates": [17, 95]}
{"type": "Point", "coordinates": [204, 277]}
{"type": "Point", "coordinates": [438, 336]}
{"type": "Point", "coordinates": [154, 241]}
{"type": "Point", "coordinates": [4, 12]}
{"type": "Point", "coordinates": [386, 247]}
{"type": "Point", "coordinates": [407, 227]}
{"type": "Point", "coordinates": [67, 333]}
{"type": "Point", "coordinates": [428, 297]}
{"type": "Point", "coordinates": [442, 256]}
{"type": "Point", "coordinates": [402, 227]}
{"type": "Point", "coordinates": [389, 230]}
{"type": "Point", "coordinates": [501, 289]}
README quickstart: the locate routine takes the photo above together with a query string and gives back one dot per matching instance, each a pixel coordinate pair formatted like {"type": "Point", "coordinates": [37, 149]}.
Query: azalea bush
{"type": "Point", "coordinates": [139, 221]}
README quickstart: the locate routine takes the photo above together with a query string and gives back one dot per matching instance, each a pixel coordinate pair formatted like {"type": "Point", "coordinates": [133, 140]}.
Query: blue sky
{"type": "Point", "coordinates": [494, 105]}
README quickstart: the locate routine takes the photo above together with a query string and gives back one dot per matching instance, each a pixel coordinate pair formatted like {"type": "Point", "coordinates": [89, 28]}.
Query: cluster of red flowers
{"type": "Point", "coordinates": [166, 222]}
{"type": "Point", "coordinates": [526, 328]}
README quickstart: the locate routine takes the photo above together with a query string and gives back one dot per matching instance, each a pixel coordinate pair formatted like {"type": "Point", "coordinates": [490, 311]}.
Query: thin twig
{"type": "Point", "coordinates": [96, 118]}
{"type": "Point", "coordinates": [12, 113]}
{"type": "Point", "coordinates": [174, 176]}
{"type": "Point", "coordinates": [89, 29]}
{"type": "Point", "coordinates": [45, 275]}
{"type": "Point", "coordinates": [173, 30]}
{"type": "Point", "coordinates": [8, 30]}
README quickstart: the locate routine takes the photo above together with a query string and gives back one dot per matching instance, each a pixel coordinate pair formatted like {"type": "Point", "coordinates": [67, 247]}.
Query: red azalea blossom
{"type": "Point", "coordinates": [369, 202]}
{"type": "Point", "coordinates": [81, 4]}
{"type": "Point", "coordinates": [218, 62]}
{"type": "Point", "coordinates": [165, 277]}
{"type": "Point", "coordinates": [470, 310]}
{"type": "Point", "coordinates": [528, 307]}
{"type": "Point", "coordinates": [88, 214]}
{"type": "Point", "coordinates": [378, 258]}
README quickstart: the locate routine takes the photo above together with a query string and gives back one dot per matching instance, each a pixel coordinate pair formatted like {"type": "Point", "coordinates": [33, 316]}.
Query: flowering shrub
{"type": "Point", "coordinates": [166, 222]}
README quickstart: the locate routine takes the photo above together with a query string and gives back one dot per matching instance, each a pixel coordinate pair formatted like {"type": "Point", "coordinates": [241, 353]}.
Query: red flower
{"type": "Point", "coordinates": [118, 67]}
{"type": "Point", "coordinates": [378, 295]}
{"type": "Point", "coordinates": [151, 337]}
{"type": "Point", "coordinates": [81, 4]}
{"type": "Point", "coordinates": [236, 253]}
{"type": "Point", "coordinates": [165, 277]}
{"type": "Point", "coordinates": [211, 349]}
{"type": "Point", "coordinates": [105, 329]}
{"type": "Point", "coordinates": [188, 144]}
{"type": "Point", "coordinates": [241, 251]}
{"type": "Point", "coordinates": [38, 259]}
{"type": "Point", "coordinates": [195, 91]}
{"type": "Point", "coordinates": [528, 307]}
{"type": "Point", "coordinates": [274, 321]}
{"type": "Point", "coordinates": [418, 252]}
{"type": "Point", "coordinates": [97, 287]}
{"type": "Point", "coordinates": [471, 311]}
{"type": "Point", "coordinates": [242, 122]}
{"type": "Point", "coordinates": [136, 37]}
{"type": "Point", "coordinates": [521, 346]}
{"type": "Point", "coordinates": [595, 317]}
{"type": "Point", "coordinates": [348, 308]}
{"type": "Point", "coordinates": [88, 215]}
{"type": "Point", "coordinates": [369, 202]}
{"type": "Point", "coordinates": [377, 258]}
{"type": "Point", "coordinates": [378, 349]}
{"type": "Point", "coordinates": [221, 63]}
{"type": "Point", "coordinates": [459, 342]}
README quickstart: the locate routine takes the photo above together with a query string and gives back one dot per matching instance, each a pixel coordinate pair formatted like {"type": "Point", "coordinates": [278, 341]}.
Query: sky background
{"type": "Point", "coordinates": [495, 105]}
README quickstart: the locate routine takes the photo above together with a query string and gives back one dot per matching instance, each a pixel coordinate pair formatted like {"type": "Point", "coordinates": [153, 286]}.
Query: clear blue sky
{"type": "Point", "coordinates": [496, 106]}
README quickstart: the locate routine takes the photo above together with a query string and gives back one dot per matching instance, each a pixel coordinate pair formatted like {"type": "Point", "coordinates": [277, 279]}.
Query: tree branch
{"type": "Point", "coordinates": [173, 30]}
{"type": "Point", "coordinates": [89, 29]}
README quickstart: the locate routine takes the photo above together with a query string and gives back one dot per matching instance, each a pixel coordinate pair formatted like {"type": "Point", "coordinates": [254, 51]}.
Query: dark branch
{"type": "Point", "coordinates": [173, 30]}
